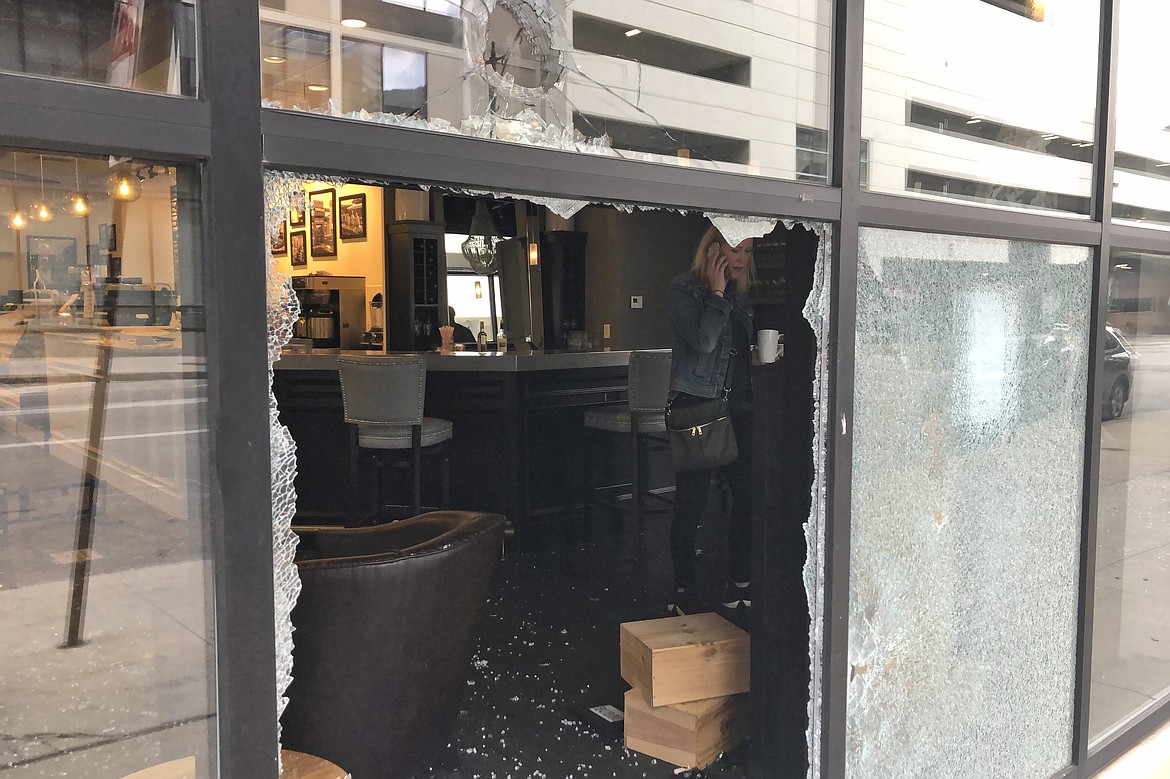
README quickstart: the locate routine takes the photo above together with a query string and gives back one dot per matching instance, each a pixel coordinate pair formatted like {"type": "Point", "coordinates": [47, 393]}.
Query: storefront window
{"type": "Point", "coordinates": [121, 43]}
{"type": "Point", "coordinates": [1141, 172]}
{"type": "Point", "coordinates": [1131, 659]}
{"type": "Point", "coordinates": [730, 87]}
{"type": "Point", "coordinates": [105, 570]}
{"type": "Point", "coordinates": [969, 429]}
{"type": "Point", "coordinates": [988, 101]}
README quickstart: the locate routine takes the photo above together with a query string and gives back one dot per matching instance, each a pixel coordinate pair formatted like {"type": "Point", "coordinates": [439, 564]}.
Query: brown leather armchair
{"type": "Point", "coordinates": [384, 632]}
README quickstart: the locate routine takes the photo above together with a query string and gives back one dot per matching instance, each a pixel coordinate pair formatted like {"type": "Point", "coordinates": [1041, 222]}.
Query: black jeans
{"type": "Point", "coordinates": [690, 503]}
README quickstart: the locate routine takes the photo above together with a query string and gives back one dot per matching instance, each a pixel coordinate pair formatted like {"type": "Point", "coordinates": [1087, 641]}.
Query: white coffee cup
{"type": "Point", "coordinates": [768, 345]}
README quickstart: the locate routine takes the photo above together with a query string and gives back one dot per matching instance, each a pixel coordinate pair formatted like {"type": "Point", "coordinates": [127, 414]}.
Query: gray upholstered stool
{"type": "Point", "coordinates": [643, 418]}
{"type": "Point", "coordinates": [383, 399]}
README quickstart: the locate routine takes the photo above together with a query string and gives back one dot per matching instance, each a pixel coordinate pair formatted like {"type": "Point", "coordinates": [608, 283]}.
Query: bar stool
{"type": "Point", "coordinates": [643, 418]}
{"type": "Point", "coordinates": [383, 401]}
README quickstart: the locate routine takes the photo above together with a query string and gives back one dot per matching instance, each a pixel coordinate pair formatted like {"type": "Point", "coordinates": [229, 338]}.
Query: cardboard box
{"type": "Point", "coordinates": [683, 659]}
{"type": "Point", "coordinates": [686, 734]}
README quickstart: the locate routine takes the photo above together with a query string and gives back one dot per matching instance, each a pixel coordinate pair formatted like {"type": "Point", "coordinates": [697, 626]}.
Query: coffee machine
{"type": "Point", "coordinates": [333, 310]}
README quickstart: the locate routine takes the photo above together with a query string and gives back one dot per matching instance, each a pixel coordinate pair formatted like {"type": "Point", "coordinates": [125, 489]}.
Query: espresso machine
{"type": "Point", "coordinates": [333, 310]}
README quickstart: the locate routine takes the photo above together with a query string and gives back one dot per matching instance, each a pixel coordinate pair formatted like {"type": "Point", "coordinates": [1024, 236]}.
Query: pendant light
{"type": "Point", "coordinates": [41, 210]}
{"type": "Point", "coordinates": [76, 203]}
{"type": "Point", "coordinates": [17, 219]}
{"type": "Point", "coordinates": [126, 187]}
{"type": "Point", "coordinates": [480, 247]}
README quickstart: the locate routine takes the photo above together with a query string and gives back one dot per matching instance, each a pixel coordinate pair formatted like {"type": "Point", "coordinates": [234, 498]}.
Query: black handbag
{"type": "Point", "coordinates": [699, 430]}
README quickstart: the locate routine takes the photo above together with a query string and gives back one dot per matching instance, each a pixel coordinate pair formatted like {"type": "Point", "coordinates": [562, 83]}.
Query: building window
{"type": "Point", "coordinates": [115, 43]}
{"type": "Point", "coordinates": [812, 156]}
{"type": "Point", "coordinates": [294, 66]}
{"type": "Point", "coordinates": [383, 78]}
{"type": "Point", "coordinates": [442, 7]}
{"type": "Point", "coordinates": [599, 36]}
{"type": "Point", "coordinates": [667, 141]}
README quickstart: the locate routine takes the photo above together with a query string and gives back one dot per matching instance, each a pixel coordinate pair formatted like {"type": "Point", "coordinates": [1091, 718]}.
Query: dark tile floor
{"type": "Point", "coordinates": [549, 651]}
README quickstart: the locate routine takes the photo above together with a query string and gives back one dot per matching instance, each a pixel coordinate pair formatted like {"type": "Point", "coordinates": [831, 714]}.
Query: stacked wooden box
{"type": "Point", "coordinates": [689, 677]}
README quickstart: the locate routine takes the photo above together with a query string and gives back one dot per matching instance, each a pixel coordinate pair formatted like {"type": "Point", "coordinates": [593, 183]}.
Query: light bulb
{"type": "Point", "coordinates": [17, 220]}
{"type": "Point", "coordinates": [124, 186]}
{"type": "Point", "coordinates": [76, 204]}
{"type": "Point", "coordinates": [41, 211]}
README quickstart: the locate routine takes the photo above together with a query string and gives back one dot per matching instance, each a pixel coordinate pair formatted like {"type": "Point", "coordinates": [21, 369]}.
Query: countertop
{"type": "Point", "coordinates": [510, 362]}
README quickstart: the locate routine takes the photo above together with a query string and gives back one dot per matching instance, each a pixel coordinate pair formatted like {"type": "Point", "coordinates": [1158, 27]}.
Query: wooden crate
{"type": "Point", "coordinates": [683, 659]}
{"type": "Point", "coordinates": [686, 734]}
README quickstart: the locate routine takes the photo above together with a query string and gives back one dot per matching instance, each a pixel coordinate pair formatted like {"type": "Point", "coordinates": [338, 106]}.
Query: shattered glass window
{"type": "Point", "coordinates": [719, 86]}
{"type": "Point", "coordinates": [969, 429]}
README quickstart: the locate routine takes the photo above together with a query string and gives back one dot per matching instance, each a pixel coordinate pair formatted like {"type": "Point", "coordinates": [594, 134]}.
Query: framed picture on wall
{"type": "Point", "coordinates": [52, 263]}
{"type": "Point", "coordinates": [352, 216]}
{"type": "Point", "coordinates": [297, 255]}
{"type": "Point", "coordinates": [280, 239]}
{"type": "Point", "coordinates": [323, 223]}
{"type": "Point", "coordinates": [296, 208]}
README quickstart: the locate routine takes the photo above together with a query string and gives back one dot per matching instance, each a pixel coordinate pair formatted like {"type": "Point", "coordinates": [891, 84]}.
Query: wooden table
{"type": "Point", "coordinates": [295, 765]}
{"type": "Point", "coordinates": [298, 765]}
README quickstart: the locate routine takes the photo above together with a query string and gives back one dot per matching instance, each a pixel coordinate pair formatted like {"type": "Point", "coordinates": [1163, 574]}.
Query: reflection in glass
{"type": "Point", "coordinates": [723, 86]}
{"type": "Point", "coordinates": [1131, 615]}
{"type": "Point", "coordinates": [382, 78]}
{"type": "Point", "coordinates": [105, 572]}
{"type": "Point", "coordinates": [294, 69]}
{"type": "Point", "coordinates": [1142, 162]}
{"type": "Point", "coordinates": [969, 425]}
{"type": "Point", "coordinates": [121, 43]}
{"type": "Point", "coordinates": [982, 100]}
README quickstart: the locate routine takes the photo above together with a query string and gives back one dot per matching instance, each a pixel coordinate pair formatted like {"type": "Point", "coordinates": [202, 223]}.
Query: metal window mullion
{"type": "Point", "coordinates": [237, 357]}
{"type": "Point", "coordinates": [1101, 209]}
{"type": "Point", "coordinates": [848, 64]}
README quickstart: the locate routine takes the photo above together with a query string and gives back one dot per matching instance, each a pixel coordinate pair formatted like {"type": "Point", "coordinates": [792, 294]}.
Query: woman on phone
{"type": "Point", "coordinates": [713, 336]}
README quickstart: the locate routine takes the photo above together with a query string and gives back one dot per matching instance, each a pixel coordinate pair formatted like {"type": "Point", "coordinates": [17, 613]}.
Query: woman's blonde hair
{"type": "Point", "coordinates": [710, 246]}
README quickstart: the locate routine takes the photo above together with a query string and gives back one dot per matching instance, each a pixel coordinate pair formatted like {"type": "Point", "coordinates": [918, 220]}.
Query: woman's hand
{"type": "Point", "coordinates": [717, 274]}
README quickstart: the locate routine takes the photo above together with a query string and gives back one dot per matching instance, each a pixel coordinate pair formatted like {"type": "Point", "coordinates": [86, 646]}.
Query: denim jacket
{"type": "Point", "coordinates": [701, 321]}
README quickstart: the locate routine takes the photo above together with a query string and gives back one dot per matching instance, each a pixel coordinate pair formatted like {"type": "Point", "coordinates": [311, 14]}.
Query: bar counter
{"type": "Point", "coordinates": [519, 448]}
{"type": "Point", "coordinates": [511, 362]}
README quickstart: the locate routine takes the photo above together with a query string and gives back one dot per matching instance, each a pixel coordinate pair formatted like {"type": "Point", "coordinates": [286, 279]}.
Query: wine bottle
{"type": "Point", "coordinates": [481, 339]}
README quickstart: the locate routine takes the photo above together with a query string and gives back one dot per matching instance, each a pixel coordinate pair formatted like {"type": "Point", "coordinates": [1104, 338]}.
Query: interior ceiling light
{"type": "Point", "coordinates": [76, 203]}
{"type": "Point", "coordinates": [632, 32]}
{"type": "Point", "coordinates": [41, 210]}
{"type": "Point", "coordinates": [318, 88]}
{"type": "Point", "coordinates": [1051, 137]}
{"type": "Point", "coordinates": [974, 120]}
{"type": "Point", "coordinates": [17, 219]}
{"type": "Point", "coordinates": [480, 247]}
{"type": "Point", "coordinates": [1163, 165]}
{"type": "Point", "coordinates": [124, 186]}
{"type": "Point", "coordinates": [354, 23]}
{"type": "Point", "coordinates": [275, 60]}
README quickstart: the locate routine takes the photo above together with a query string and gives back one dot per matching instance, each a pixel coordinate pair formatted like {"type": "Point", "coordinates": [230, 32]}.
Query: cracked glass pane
{"type": "Point", "coordinates": [967, 483]}
{"type": "Point", "coordinates": [730, 86]}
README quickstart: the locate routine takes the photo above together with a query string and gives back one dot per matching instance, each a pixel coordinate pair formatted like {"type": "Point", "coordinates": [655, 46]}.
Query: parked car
{"type": "Point", "coordinates": [1118, 373]}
